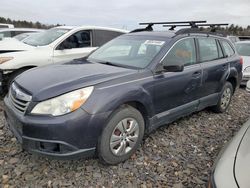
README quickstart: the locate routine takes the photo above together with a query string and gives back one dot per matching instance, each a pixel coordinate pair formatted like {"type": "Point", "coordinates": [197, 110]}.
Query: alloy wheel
{"type": "Point", "coordinates": [124, 136]}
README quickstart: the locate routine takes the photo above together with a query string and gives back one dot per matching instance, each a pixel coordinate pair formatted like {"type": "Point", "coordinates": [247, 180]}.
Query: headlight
{"type": "Point", "coordinates": [5, 59]}
{"type": "Point", "coordinates": [63, 104]}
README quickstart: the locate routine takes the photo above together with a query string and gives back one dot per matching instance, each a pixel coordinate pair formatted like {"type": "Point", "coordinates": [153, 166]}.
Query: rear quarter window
{"type": "Point", "coordinates": [228, 50]}
{"type": "Point", "coordinates": [103, 36]}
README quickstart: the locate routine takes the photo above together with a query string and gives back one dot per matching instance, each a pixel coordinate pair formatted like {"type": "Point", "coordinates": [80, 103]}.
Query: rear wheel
{"type": "Point", "coordinates": [225, 98]}
{"type": "Point", "coordinates": [122, 136]}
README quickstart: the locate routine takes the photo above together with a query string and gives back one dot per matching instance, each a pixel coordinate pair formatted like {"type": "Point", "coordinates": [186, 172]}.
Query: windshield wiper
{"type": "Point", "coordinates": [109, 63]}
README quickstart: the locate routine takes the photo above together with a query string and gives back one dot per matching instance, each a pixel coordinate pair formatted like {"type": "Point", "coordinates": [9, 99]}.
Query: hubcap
{"type": "Point", "coordinates": [225, 99]}
{"type": "Point", "coordinates": [124, 136]}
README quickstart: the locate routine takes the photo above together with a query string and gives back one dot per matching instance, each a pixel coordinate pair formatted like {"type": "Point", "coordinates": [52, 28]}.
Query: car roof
{"type": "Point", "coordinates": [92, 27]}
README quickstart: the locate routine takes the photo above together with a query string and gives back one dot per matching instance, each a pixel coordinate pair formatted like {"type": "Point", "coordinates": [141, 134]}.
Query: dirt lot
{"type": "Point", "coordinates": [178, 155]}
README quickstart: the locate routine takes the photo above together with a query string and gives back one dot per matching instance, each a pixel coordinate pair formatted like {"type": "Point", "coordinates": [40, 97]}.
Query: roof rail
{"type": "Point", "coordinates": [195, 30]}
{"type": "Point", "coordinates": [149, 27]}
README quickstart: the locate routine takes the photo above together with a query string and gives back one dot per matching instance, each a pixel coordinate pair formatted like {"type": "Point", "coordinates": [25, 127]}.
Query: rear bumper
{"type": "Point", "coordinates": [70, 136]}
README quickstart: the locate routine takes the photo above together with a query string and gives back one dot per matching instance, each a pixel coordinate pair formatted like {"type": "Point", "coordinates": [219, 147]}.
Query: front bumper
{"type": "Point", "coordinates": [68, 136]}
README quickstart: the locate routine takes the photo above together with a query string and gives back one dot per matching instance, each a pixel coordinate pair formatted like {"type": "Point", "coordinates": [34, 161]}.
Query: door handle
{"type": "Point", "coordinates": [197, 74]}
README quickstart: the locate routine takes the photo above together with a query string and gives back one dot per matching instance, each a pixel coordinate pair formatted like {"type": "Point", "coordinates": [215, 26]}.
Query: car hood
{"type": "Point", "coordinates": [13, 45]}
{"type": "Point", "coordinates": [246, 62]}
{"type": "Point", "coordinates": [50, 81]}
{"type": "Point", "coordinates": [242, 162]}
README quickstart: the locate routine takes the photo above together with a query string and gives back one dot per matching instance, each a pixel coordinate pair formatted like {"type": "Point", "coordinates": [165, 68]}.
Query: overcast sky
{"type": "Point", "coordinates": [126, 13]}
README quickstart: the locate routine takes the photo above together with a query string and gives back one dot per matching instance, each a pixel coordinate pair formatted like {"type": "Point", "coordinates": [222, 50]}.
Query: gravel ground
{"type": "Point", "coordinates": [178, 155]}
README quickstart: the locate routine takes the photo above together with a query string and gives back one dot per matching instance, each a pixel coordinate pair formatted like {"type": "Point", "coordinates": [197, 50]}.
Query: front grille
{"type": "Point", "coordinates": [19, 99]}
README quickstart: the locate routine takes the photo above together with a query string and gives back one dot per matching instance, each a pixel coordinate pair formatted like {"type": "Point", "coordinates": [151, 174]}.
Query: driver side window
{"type": "Point", "coordinates": [183, 53]}
{"type": "Point", "coordinates": [80, 39]}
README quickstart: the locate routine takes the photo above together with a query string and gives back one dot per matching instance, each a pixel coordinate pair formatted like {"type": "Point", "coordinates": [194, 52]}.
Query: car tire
{"type": "Point", "coordinates": [122, 136]}
{"type": "Point", "coordinates": [225, 98]}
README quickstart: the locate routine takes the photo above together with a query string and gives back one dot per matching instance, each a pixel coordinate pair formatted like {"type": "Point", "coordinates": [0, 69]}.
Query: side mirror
{"type": "Point", "coordinates": [173, 68]}
{"type": "Point", "coordinates": [248, 86]}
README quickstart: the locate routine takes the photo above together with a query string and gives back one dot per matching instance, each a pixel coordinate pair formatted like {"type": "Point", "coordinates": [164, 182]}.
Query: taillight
{"type": "Point", "coordinates": [241, 60]}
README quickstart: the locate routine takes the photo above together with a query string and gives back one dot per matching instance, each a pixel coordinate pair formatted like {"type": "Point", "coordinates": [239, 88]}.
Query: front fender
{"type": "Point", "coordinates": [109, 99]}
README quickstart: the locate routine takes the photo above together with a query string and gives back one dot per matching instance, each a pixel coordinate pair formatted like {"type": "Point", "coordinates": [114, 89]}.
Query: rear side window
{"type": "Point", "coordinates": [208, 49]}
{"type": "Point", "coordinates": [227, 48]}
{"type": "Point", "coordinates": [103, 36]}
{"type": "Point", "coordinates": [183, 53]}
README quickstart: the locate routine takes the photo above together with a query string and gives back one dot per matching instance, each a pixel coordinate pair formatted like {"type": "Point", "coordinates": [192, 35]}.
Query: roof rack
{"type": "Point", "coordinates": [149, 27]}
{"type": "Point", "coordinates": [213, 30]}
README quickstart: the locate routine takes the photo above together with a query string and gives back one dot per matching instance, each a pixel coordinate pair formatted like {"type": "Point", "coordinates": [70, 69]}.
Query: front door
{"type": "Point", "coordinates": [75, 46]}
{"type": "Point", "coordinates": [177, 93]}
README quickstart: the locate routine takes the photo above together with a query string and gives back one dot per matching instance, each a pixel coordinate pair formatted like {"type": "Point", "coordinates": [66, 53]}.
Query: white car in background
{"type": "Point", "coordinates": [16, 43]}
{"type": "Point", "coordinates": [11, 32]}
{"type": "Point", "coordinates": [2, 25]}
{"type": "Point", "coordinates": [243, 49]}
{"type": "Point", "coordinates": [59, 44]}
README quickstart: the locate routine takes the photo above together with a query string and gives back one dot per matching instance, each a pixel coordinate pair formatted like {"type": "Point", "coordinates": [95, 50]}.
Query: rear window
{"type": "Point", "coordinates": [208, 49]}
{"type": "Point", "coordinates": [227, 48]}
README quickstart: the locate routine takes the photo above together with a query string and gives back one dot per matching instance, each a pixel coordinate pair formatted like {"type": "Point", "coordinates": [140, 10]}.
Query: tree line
{"type": "Point", "coordinates": [233, 30]}
{"type": "Point", "coordinates": [26, 24]}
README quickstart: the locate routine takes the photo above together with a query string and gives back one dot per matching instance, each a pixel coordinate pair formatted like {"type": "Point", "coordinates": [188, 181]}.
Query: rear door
{"type": "Point", "coordinates": [75, 46]}
{"type": "Point", "coordinates": [214, 66]}
{"type": "Point", "coordinates": [177, 93]}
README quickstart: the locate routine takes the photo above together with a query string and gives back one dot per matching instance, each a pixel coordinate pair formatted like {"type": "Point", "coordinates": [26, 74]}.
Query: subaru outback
{"type": "Point", "coordinates": [104, 104]}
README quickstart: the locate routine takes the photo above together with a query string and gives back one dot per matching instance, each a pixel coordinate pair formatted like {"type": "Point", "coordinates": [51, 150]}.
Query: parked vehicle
{"type": "Point", "coordinates": [55, 45]}
{"type": "Point", "coordinates": [2, 25]}
{"type": "Point", "coordinates": [104, 103]}
{"type": "Point", "coordinates": [11, 32]}
{"type": "Point", "coordinates": [243, 49]}
{"type": "Point", "coordinates": [17, 43]}
{"type": "Point", "coordinates": [232, 167]}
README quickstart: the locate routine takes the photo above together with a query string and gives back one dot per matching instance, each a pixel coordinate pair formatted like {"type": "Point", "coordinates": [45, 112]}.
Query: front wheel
{"type": "Point", "coordinates": [122, 136]}
{"type": "Point", "coordinates": [225, 98]}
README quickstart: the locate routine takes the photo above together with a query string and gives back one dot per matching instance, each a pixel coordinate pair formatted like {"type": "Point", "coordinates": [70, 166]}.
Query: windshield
{"type": "Point", "coordinates": [22, 36]}
{"type": "Point", "coordinates": [128, 51]}
{"type": "Point", "coordinates": [243, 49]}
{"type": "Point", "coordinates": [46, 37]}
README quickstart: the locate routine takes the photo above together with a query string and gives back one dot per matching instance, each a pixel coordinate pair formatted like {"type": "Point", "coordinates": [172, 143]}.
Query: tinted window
{"type": "Point", "coordinates": [227, 48]}
{"type": "Point", "coordinates": [103, 36]}
{"type": "Point", "coordinates": [208, 49]}
{"type": "Point", "coordinates": [183, 53]}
